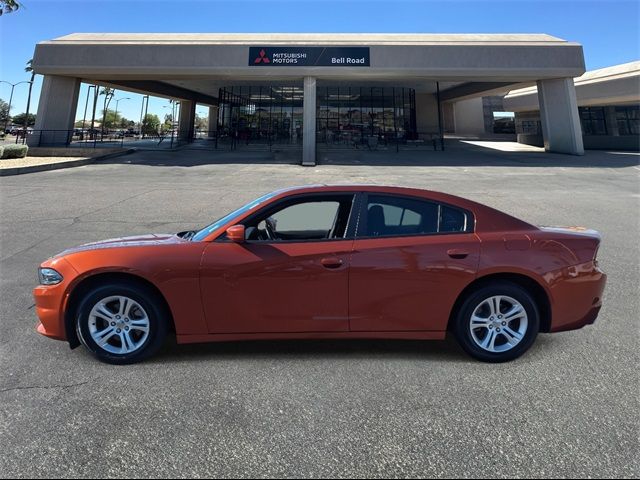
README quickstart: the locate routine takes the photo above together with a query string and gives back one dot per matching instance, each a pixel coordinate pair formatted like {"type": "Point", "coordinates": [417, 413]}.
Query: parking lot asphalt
{"type": "Point", "coordinates": [568, 408]}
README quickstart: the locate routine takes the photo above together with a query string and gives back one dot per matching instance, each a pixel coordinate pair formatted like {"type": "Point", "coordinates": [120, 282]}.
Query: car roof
{"type": "Point", "coordinates": [372, 188]}
{"type": "Point", "coordinates": [487, 218]}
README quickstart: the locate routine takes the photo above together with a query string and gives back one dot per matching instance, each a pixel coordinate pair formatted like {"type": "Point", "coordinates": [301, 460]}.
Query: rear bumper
{"type": "Point", "coordinates": [588, 319]}
{"type": "Point", "coordinates": [577, 297]}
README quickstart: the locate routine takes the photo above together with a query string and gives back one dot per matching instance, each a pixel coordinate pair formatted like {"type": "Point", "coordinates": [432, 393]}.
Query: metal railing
{"type": "Point", "coordinates": [226, 140]}
{"type": "Point", "coordinates": [388, 140]}
{"type": "Point", "coordinates": [95, 139]}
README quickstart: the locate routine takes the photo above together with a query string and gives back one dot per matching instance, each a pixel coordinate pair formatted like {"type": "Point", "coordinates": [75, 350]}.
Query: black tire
{"type": "Point", "coordinates": [155, 311]}
{"type": "Point", "coordinates": [462, 322]}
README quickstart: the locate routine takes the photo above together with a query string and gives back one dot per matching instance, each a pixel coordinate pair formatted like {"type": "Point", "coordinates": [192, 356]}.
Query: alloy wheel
{"type": "Point", "coordinates": [498, 323]}
{"type": "Point", "coordinates": [119, 325]}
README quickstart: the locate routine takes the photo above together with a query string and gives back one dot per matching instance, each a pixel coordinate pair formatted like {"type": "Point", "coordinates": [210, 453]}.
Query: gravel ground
{"type": "Point", "coordinates": [31, 161]}
{"type": "Point", "coordinates": [568, 408]}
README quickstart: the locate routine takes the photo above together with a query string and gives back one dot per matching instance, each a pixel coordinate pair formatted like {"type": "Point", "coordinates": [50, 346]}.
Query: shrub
{"type": "Point", "coordinates": [14, 151]}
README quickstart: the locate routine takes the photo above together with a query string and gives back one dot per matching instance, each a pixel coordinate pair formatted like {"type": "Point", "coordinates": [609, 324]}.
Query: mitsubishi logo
{"type": "Point", "coordinates": [262, 58]}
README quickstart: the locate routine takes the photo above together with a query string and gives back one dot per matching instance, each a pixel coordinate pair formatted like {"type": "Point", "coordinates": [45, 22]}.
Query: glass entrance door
{"type": "Point", "coordinates": [261, 115]}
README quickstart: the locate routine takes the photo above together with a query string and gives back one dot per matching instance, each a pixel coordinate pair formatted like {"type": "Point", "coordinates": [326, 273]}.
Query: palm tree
{"type": "Point", "coordinates": [29, 69]}
{"type": "Point", "coordinates": [8, 6]}
{"type": "Point", "coordinates": [108, 95]}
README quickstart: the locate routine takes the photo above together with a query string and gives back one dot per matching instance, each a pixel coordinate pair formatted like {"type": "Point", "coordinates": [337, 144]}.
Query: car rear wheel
{"type": "Point", "coordinates": [121, 323]}
{"type": "Point", "coordinates": [497, 323]}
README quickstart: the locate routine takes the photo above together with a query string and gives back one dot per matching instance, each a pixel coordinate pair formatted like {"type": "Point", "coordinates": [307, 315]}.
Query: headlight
{"type": "Point", "coordinates": [48, 276]}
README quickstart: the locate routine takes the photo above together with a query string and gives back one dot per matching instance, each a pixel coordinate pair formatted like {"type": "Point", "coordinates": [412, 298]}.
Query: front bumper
{"type": "Point", "coordinates": [51, 301]}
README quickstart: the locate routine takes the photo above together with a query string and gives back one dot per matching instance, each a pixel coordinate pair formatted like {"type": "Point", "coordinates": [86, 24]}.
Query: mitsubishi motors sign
{"type": "Point", "coordinates": [309, 56]}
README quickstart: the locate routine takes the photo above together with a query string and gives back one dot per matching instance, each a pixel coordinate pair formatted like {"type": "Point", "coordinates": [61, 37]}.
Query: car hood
{"type": "Point", "coordinates": [136, 241]}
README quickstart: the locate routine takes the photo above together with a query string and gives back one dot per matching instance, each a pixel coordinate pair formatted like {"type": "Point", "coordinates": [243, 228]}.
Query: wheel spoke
{"type": "Point", "coordinates": [102, 311]}
{"type": "Point", "coordinates": [512, 337]}
{"type": "Point", "coordinates": [489, 341]}
{"type": "Point", "coordinates": [142, 322]}
{"type": "Point", "coordinates": [514, 313]}
{"type": "Point", "coordinates": [479, 322]}
{"type": "Point", "coordinates": [103, 336]}
{"type": "Point", "coordinates": [140, 328]}
{"type": "Point", "coordinates": [494, 304]}
{"type": "Point", "coordinates": [125, 305]}
{"type": "Point", "coordinates": [127, 343]}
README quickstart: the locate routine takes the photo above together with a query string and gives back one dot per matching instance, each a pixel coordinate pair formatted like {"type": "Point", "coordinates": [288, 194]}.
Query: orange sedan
{"type": "Point", "coordinates": [330, 262]}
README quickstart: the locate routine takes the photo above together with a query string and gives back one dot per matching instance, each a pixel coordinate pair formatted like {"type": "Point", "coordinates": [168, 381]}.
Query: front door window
{"type": "Point", "coordinates": [320, 218]}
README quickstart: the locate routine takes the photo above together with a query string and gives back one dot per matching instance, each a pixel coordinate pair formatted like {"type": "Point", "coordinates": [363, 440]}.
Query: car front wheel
{"type": "Point", "coordinates": [121, 323]}
{"type": "Point", "coordinates": [497, 323]}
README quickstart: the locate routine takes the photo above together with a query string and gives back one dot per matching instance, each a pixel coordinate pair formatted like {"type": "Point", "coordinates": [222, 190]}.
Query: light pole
{"type": "Point", "coordinates": [116, 118]}
{"type": "Point", "coordinates": [145, 99]}
{"type": "Point", "coordinates": [202, 116]}
{"type": "Point", "coordinates": [124, 98]}
{"type": "Point", "coordinates": [172, 105]}
{"type": "Point", "coordinates": [13, 85]}
{"type": "Point", "coordinates": [86, 104]}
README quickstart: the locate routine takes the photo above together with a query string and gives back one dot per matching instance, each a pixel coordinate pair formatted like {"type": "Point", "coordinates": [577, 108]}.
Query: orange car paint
{"type": "Point", "coordinates": [391, 287]}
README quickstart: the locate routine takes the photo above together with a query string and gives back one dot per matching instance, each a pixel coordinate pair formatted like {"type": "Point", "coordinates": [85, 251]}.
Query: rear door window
{"type": "Point", "coordinates": [387, 215]}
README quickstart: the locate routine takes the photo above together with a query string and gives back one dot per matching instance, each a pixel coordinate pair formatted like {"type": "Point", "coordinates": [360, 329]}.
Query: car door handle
{"type": "Point", "coordinates": [457, 253]}
{"type": "Point", "coordinates": [331, 262]}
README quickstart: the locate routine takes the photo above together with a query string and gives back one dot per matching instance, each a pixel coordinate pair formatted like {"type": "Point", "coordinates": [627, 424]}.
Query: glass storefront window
{"type": "Point", "coordinates": [628, 119]}
{"type": "Point", "coordinates": [348, 115]}
{"type": "Point", "coordinates": [345, 114]}
{"type": "Point", "coordinates": [592, 120]}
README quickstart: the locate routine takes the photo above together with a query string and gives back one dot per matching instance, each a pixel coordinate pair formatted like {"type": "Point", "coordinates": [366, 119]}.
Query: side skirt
{"type": "Point", "coordinates": [234, 337]}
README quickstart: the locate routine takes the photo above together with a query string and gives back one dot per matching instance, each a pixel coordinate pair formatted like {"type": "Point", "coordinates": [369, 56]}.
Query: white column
{"type": "Point", "coordinates": [56, 111]}
{"type": "Point", "coordinates": [559, 116]}
{"type": "Point", "coordinates": [309, 123]}
{"type": "Point", "coordinates": [187, 120]}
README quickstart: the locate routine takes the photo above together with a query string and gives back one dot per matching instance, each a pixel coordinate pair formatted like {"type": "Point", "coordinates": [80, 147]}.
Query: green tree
{"type": "Point", "coordinates": [150, 124]}
{"type": "Point", "coordinates": [8, 6]}
{"type": "Point", "coordinates": [4, 112]}
{"type": "Point", "coordinates": [202, 123]}
{"type": "Point", "coordinates": [108, 96]}
{"type": "Point", "coordinates": [111, 120]}
{"type": "Point", "coordinates": [21, 119]}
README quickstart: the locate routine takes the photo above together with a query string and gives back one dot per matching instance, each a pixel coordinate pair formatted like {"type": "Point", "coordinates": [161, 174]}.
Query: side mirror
{"type": "Point", "coordinates": [236, 233]}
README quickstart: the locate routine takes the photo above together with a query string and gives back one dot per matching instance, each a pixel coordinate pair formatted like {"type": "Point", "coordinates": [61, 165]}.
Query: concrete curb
{"type": "Point", "coordinates": [4, 172]}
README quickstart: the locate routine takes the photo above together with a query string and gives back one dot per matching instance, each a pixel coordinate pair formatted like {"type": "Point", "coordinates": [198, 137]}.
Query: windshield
{"type": "Point", "coordinates": [206, 231]}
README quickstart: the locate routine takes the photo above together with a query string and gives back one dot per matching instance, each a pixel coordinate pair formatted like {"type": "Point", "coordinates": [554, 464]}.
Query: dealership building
{"type": "Point", "coordinates": [608, 107]}
{"type": "Point", "coordinates": [311, 89]}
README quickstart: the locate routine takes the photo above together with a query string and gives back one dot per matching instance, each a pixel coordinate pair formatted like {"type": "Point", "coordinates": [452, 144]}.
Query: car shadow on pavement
{"type": "Point", "coordinates": [447, 350]}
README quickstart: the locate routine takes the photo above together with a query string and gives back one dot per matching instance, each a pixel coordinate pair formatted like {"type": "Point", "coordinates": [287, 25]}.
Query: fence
{"type": "Point", "coordinates": [229, 141]}
{"type": "Point", "coordinates": [225, 140]}
{"type": "Point", "coordinates": [97, 139]}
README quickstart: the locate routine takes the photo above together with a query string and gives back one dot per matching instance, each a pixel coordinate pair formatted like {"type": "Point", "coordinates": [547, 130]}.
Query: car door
{"type": "Point", "coordinates": [411, 260]}
{"type": "Point", "coordinates": [296, 281]}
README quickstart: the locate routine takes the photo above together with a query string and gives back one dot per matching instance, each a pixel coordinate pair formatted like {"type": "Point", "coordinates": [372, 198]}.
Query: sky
{"type": "Point", "coordinates": [608, 29]}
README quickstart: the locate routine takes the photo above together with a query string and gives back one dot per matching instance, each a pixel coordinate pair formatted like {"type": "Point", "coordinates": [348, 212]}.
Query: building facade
{"type": "Point", "coordinates": [310, 89]}
{"type": "Point", "coordinates": [608, 107]}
